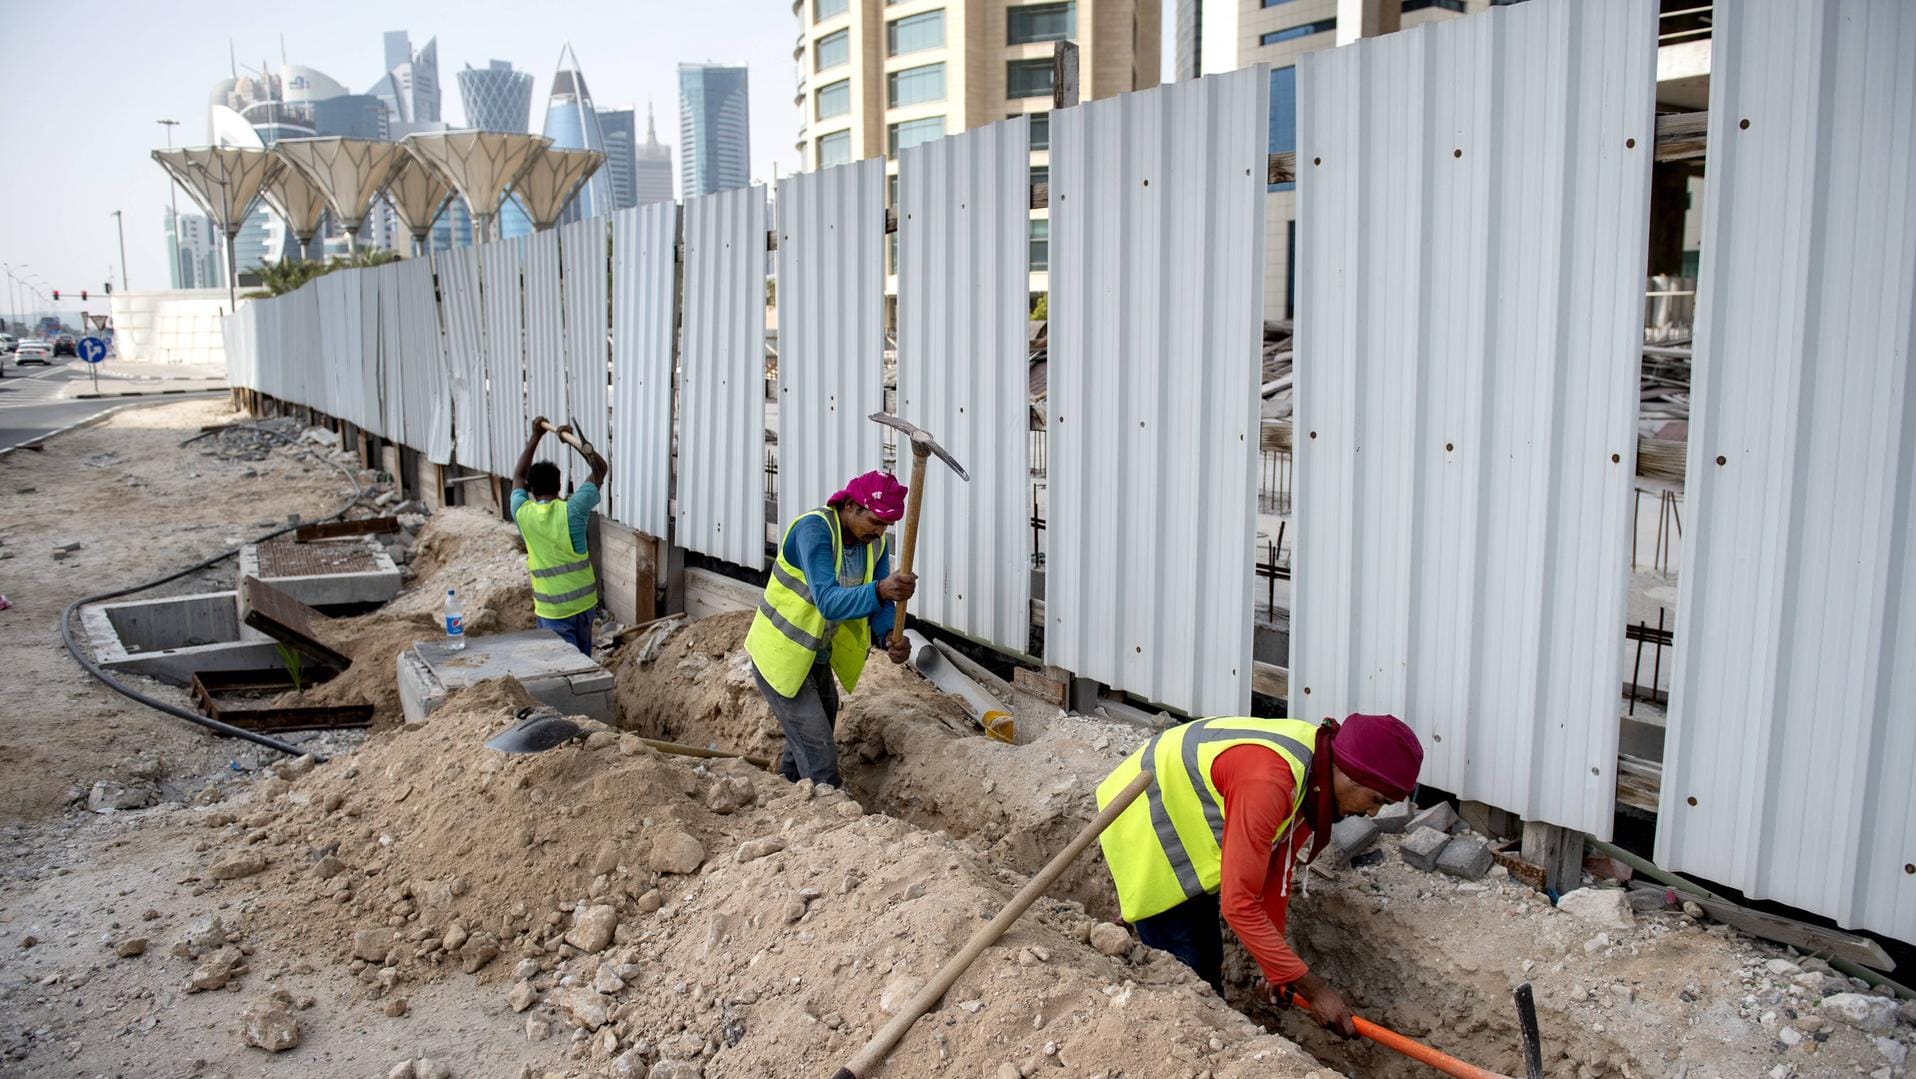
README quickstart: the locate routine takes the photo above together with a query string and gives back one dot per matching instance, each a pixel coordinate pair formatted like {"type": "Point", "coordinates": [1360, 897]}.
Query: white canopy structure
{"type": "Point", "coordinates": [550, 181]}
{"type": "Point", "coordinates": [349, 172]}
{"type": "Point", "coordinates": [417, 194]}
{"type": "Point", "coordinates": [226, 182]}
{"type": "Point", "coordinates": [298, 203]}
{"type": "Point", "coordinates": [480, 165]}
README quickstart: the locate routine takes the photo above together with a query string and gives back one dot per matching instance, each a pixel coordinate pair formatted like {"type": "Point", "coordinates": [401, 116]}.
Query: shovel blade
{"type": "Point", "coordinates": [535, 733]}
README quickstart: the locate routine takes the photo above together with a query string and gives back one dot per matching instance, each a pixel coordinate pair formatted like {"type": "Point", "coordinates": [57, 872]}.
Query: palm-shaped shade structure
{"type": "Point", "coordinates": [480, 165]}
{"type": "Point", "coordinates": [417, 194]}
{"type": "Point", "coordinates": [225, 181]}
{"type": "Point", "coordinates": [349, 172]}
{"type": "Point", "coordinates": [298, 203]}
{"type": "Point", "coordinates": [551, 180]}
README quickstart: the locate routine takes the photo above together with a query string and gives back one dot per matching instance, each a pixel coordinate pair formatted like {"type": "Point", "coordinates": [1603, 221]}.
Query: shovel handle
{"type": "Point", "coordinates": [1390, 1039]}
{"type": "Point", "coordinates": [908, 554]}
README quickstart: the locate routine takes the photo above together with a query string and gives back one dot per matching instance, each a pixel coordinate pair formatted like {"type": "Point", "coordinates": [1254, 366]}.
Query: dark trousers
{"type": "Point", "coordinates": [1194, 932]}
{"type": "Point", "coordinates": [807, 720]}
{"type": "Point", "coordinates": [575, 631]}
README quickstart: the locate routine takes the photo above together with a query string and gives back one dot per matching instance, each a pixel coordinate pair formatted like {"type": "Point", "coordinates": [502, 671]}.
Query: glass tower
{"type": "Point", "coordinates": [619, 156]}
{"type": "Point", "coordinates": [651, 166]}
{"type": "Point", "coordinates": [497, 98]}
{"type": "Point", "coordinates": [573, 124]}
{"type": "Point", "coordinates": [714, 129]}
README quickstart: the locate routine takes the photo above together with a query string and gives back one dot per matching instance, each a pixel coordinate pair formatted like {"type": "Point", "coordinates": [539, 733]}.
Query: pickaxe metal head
{"type": "Point", "coordinates": [921, 441]}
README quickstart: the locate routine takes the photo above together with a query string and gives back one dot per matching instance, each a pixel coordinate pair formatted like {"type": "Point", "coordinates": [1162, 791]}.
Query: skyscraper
{"type": "Point", "coordinates": [410, 87]}
{"type": "Point", "coordinates": [573, 124]}
{"type": "Point", "coordinates": [652, 166]}
{"type": "Point", "coordinates": [194, 251]}
{"type": "Point", "coordinates": [620, 159]}
{"type": "Point", "coordinates": [714, 129]}
{"type": "Point", "coordinates": [497, 98]}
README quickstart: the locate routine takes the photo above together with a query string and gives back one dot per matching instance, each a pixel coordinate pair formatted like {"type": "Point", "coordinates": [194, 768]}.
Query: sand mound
{"type": "Point", "coordinates": [674, 911]}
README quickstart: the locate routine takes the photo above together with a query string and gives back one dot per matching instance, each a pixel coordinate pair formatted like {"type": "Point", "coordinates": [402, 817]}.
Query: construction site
{"type": "Point", "coordinates": [302, 777]}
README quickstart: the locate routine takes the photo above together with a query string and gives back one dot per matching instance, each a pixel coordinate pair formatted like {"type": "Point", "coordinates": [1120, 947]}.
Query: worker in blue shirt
{"type": "Point", "coordinates": [829, 597]}
{"type": "Point", "coordinates": [565, 592]}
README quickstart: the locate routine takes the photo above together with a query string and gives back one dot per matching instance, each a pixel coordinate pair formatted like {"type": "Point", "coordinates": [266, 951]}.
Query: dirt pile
{"type": "Point", "coordinates": [472, 552]}
{"type": "Point", "coordinates": [661, 913]}
{"type": "Point", "coordinates": [901, 750]}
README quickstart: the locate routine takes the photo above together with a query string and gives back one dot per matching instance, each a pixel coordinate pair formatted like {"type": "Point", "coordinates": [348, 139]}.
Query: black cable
{"type": "Point", "coordinates": [214, 725]}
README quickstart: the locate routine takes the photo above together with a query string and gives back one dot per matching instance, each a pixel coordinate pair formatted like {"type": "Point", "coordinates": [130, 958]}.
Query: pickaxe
{"type": "Point", "coordinates": [922, 447]}
{"type": "Point", "coordinates": [570, 436]}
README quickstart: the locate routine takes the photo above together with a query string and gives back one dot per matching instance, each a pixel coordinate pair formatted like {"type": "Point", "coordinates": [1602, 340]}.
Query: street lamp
{"type": "Point", "coordinates": [173, 275]}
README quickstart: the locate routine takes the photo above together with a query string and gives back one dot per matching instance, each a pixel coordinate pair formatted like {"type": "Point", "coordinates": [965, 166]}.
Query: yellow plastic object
{"type": "Point", "coordinates": [998, 725]}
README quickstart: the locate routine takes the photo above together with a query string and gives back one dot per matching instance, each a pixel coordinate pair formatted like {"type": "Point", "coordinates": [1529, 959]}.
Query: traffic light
{"type": "Point", "coordinates": [83, 295]}
{"type": "Point", "coordinates": [56, 295]}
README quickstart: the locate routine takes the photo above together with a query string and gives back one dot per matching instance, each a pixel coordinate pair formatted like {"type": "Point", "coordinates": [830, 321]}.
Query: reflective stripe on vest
{"type": "Point", "coordinates": [563, 584]}
{"type": "Point", "coordinates": [789, 631]}
{"type": "Point", "coordinates": [1167, 847]}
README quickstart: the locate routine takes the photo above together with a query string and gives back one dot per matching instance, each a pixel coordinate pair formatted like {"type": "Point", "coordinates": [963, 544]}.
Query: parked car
{"type": "Point", "coordinates": [65, 345]}
{"type": "Point", "coordinates": [8, 343]}
{"type": "Point", "coordinates": [33, 351]}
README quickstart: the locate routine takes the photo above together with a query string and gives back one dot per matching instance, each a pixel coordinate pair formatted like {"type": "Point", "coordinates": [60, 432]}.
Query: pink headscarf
{"type": "Point", "coordinates": [877, 492]}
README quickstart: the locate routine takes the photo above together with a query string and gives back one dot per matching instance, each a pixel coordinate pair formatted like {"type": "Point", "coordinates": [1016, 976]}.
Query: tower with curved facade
{"type": "Point", "coordinates": [496, 97]}
{"type": "Point", "coordinates": [573, 124]}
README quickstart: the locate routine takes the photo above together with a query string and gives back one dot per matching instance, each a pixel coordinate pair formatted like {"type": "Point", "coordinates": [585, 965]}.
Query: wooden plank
{"type": "Point", "coordinates": [368, 526]}
{"type": "Point", "coordinates": [1045, 689]}
{"type": "Point", "coordinates": [392, 461]}
{"type": "Point", "coordinates": [1486, 819]}
{"type": "Point", "coordinates": [1639, 782]}
{"type": "Point", "coordinates": [287, 621]}
{"type": "Point", "coordinates": [1520, 870]}
{"type": "Point", "coordinates": [1271, 680]}
{"type": "Point", "coordinates": [708, 593]}
{"type": "Point", "coordinates": [273, 717]}
{"type": "Point", "coordinates": [1558, 850]}
{"type": "Point", "coordinates": [615, 555]}
{"type": "Point", "coordinates": [1804, 937]}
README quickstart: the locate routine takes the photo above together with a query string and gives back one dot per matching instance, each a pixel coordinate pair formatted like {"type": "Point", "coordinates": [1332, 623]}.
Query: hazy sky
{"type": "Point", "coordinates": [82, 89]}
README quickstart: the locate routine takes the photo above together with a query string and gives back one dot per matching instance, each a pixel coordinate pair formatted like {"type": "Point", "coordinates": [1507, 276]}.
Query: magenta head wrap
{"type": "Point", "coordinates": [877, 492]}
{"type": "Point", "coordinates": [1381, 752]}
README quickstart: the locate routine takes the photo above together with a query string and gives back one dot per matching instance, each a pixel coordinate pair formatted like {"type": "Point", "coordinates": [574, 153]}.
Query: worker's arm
{"type": "Point", "coordinates": [1253, 894]}
{"type": "Point", "coordinates": [524, 465]}
{"type": "Point", "coordinates": [811, 543]}
{"type": "Point", "coordinates": [592, 458]}
{"type": "Point", "coordinates": [883, 621]}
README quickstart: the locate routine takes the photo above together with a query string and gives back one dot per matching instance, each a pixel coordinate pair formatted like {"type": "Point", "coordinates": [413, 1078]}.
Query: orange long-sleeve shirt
{"type": "Point", "coordinates": [1253, 892]}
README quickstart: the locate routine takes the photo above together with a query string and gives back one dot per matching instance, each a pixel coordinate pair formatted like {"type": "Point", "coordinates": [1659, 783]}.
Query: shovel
{"type": "Point", "coordinates": [542, 728]}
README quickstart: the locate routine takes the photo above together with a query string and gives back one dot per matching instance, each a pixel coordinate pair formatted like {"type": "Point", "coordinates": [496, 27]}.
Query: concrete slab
{"type": "Point", "coordinates": [333, 573]}
{"type": "Point", "coordinates": [170, 638]}
{"type": "Point", "coordinates": [551, 670]}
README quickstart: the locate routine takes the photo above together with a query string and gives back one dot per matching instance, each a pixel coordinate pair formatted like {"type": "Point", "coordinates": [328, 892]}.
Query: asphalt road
{"type": "Point", "coordinates": [30, 404]}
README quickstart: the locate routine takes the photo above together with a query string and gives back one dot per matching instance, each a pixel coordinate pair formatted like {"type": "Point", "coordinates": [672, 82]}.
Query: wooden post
{"type": "Point", "coordinates": [1487, 820]}
{"type": "Point", "coordinates": [1064, 75]}
{"type": "Point", "coordinates": [1558, 850]}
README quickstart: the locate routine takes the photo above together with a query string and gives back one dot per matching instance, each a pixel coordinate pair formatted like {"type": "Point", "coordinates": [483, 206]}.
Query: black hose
{"type": "Point", "coordinates": [214, 725]}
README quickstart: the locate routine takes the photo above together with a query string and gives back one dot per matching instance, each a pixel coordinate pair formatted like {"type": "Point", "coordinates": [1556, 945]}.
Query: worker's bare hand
{"type": "Point", "coordinates": [898, 586]}
{"type": "Point", "coordinates": [1328, 1008]}
{"type": "Point", "coordinates": [539, 425]}
{"type": "Point", "coordinates": [897, 647]}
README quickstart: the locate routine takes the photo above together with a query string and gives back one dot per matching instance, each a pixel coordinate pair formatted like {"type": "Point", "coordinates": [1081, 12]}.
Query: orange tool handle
{"type": "Point", "coordinates": [1410, 1047]}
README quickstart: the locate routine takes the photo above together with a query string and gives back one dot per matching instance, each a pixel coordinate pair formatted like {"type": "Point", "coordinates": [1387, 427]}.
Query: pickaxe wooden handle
{"type": "Point", "coordinates": [908, 553]}
{"type": "Point", "coordinates": [570, 438]}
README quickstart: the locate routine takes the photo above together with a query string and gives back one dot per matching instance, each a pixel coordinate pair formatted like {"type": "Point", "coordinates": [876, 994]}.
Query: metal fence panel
{"type": "Point", "coordinates": [339, 344]}
{"type": "Point", "coordinates": [721, 490]}
{"type": "Point", "coordinates": [1790, 749]}
{"type": "Point", "coordinates": [384, 312]}
{"type": "Point", "coordinates": [372, 350]}
{"type": "Point", "coordinates": [459, 284]}
{"type": "Point", "coordinates": [831, 330]}
{"type": "Point", "coordinates": [963, 208]}
{"type": "Point", "coordinates": [427, 393]}
{"type": "Point", "coordinates": [501, 264]}
{"type": "Point", "coordinates": [583, 252]}
{"type": "Point", "coordinates": [1473, 209]}
{"type": "Point", "coordinates": [644, 330]}
{"type": "Point", "coordinates": [1157, 285]}
{"type": "Point", "coordinates": [545, 344]}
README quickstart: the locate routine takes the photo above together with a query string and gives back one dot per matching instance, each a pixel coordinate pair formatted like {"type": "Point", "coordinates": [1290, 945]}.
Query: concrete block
{"type": "Point", "coordinates": [171, 638]}
{"type": "Point", "coordinates": [1468, 859]}
{"type": "Point", "coordinates": [553, 671]}
{"type": "Point", "coordinates": [1353, 836]}
{"type": "Point", "coordinates": [1422, 846]}
{"type": "Point", "coordinates": [1394, 818]}
{"type": "Point", "coordinates": [377, 584]}
{"type": "Point", "coordinates": [1440, 816]}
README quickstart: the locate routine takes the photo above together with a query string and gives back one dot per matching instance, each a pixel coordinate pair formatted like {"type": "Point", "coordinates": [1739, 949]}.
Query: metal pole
{"type": "Point", "coordinates": [119, 219]}
{"type": "Point", "coordinates": [232, 272]}
{"type": "Point", "coordinates": [173, 201]}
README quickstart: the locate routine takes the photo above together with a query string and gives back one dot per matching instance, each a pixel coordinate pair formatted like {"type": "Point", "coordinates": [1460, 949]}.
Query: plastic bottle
{"type": "Point", "coordinates": [455, 622]}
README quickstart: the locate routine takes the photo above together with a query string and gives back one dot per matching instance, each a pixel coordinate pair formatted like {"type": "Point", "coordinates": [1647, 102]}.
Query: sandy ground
{"type": "Point", "coordinates": [417, 905]}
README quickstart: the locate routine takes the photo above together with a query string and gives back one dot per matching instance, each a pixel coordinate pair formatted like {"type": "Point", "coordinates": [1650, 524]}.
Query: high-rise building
{"type": "Point", "coordinates": [715, 128]}
{"type": "Point", "coordinates": [194, 251]}
{"type": "Point", "coordinates": [573, 124]}
{"type": "Point", "coordinates": [1229, 34]}
{"type": "Point", "coordinates": [497, 98]}
{"type": "Point", "coordinates": [879, 76]}
{"type": "Point", "coordinates": [620, 156]}
{"type": "Point", "coordinates": [652, 166]}
{"type": "Point", "coordinates": [410, 87]}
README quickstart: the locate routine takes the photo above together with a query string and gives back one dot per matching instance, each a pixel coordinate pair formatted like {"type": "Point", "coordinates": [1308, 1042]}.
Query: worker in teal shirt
{"type": "Point", "coordinates": [540, 483]}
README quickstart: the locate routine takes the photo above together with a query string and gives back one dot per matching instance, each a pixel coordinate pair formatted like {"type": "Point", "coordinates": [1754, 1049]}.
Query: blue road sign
{"type": "Point", "coordinates": [92, 349]}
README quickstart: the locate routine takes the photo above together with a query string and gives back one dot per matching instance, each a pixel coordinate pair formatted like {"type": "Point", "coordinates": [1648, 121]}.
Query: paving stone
{"type": "Point", "coordinates": [1440, 816]}
{"type": "Point", "coordinates": [1465, 858]}
{"type": "Point", "coordinates": [1394, 818]}
{"type": "Point", "coordinates": [1353, 836]}
{"type": "Point", "coordinates": [1422, 847]}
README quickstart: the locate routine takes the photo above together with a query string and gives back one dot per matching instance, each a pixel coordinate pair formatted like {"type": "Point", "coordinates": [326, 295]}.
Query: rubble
{"type": "Point", "coordinates": [268, 1023]}
{"type": "Point", "coordinates": [1863, 1011]}
{"type": "Point", "coordinates": [108, 797]}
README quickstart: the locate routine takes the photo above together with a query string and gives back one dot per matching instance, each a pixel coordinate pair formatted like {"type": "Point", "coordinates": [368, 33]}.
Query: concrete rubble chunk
{"type": "Point", "coordinates": [1467, 859]}
{"type": "Point", "coordinates": [1440, 816]}
{"type": "Point", "coordinates": [1110, 939]}
{"type": "Point", "coordinates": [759, 848]}
{"type": "Point", "coordinates": [898, 992]}
{"type": "Point", "coordinates": [216, 970]}
{"type": "Point", "coordinates": [130, 947]}
{"type": "Point", "coordinates": [586, 1007]}
{"type": "Point", "coordinates": [1393, 818]}
{"type": "Point", "coordinates": [521, 996]}
{"type": "Point", "coordinates": [1863, 1011]}
{"type": "Point", "coordinates": [592, 928]}
{"type": "Point", "coordinates": [1353, 836]}
{"type": "Point", "coordinates": [109, 797]}
{"type": "Point", "coordinates": [402, 1070]}
{"type": "Point", "coordinates": [237, 866]}
{"type": "Point", "coordinates": [676, 1069]}
{"type": "Point", "coordinates": [429, 1068]}
{"type": "Point", "coordinates": [328, 867]}
{"type": "Point", "coordinates": [202, 936]}
{"type": "Point", "coordinates": [296, 767]}
{"type": "Point", "coordinates": [675, 851]}
{"type": "Point", "coordinates": [1605, 908]}
{"type": "Point", "coordinates": [1422, 846]}
{"type": "Point", "coordinates": [729, 795]}
{"type": "Point", "coordinates": [372, 944]}
{"type": "Point", "coordinates": [268, 1023]}
{"type": "Point", "coordinates": [481, 948]}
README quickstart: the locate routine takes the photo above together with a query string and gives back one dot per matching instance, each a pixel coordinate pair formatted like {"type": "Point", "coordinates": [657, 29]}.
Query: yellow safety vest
{"type": "Point", "coordinates": [562, 580]}
{"type": "Point", "coordinates": [1167, 846]}
{"type": "Point", "coordinates": [788, 632]}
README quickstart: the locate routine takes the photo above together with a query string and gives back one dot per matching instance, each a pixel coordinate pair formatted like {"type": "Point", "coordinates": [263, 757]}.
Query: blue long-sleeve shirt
{"type": "Point", "coordinates": [809, 547]}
